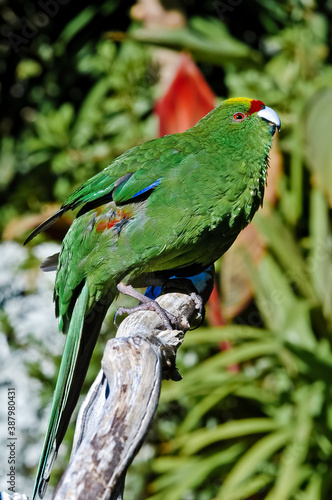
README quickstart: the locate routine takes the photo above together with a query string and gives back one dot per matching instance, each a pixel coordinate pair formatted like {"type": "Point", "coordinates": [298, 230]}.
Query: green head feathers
{"type": "Point", "coordinates": [240, 116]}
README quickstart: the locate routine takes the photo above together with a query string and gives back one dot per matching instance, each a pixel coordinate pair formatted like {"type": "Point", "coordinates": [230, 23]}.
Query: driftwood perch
{"type": "Point", "coordinates": [115, 416]}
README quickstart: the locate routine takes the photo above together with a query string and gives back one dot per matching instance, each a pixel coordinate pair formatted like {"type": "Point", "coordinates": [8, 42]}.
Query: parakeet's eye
{"type": "Point", "coordinates": [239, 117]}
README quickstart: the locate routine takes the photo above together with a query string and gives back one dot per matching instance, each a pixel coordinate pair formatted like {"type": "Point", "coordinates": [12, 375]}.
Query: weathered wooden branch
{"type": "Point", "coordinates": [115, 416]}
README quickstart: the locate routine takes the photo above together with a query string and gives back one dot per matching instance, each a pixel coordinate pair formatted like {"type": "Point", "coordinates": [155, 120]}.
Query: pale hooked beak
{"type": "Point", "coordinates": [270, 116]}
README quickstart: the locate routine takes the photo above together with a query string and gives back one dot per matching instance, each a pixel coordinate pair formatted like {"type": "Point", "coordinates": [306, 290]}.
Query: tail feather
{"type": "Point", "coordinates": [50, 263]}
{"type": "Point", "coordinates": [46, 224]}
{"type": "Point", "coordinates": [81, 338]}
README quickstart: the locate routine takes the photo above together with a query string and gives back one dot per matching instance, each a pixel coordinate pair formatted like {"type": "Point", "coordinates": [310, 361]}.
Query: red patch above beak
{"type": "Point", "coordinates": [255, 106]}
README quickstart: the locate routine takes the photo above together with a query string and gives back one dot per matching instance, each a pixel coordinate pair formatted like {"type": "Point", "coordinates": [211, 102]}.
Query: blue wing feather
{"type": "Point", "coordinates": [147, 188]}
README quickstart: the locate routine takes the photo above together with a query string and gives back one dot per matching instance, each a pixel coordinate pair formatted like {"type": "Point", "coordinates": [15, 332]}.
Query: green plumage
{"type": "Point", "coordinates": [170, 206]}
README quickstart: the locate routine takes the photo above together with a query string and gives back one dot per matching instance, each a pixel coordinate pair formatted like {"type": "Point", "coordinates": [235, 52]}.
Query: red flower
{"type": "Point", "coordinates": [186, 101]}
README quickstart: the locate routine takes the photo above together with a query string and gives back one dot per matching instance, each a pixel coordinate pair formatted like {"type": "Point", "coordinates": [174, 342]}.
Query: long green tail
{"type": "Point", "coordinates": [81, 338]}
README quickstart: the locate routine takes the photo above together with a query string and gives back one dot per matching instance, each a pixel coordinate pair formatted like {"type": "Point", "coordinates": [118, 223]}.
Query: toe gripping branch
{"type": "Point", "coordinates": [198, 287]}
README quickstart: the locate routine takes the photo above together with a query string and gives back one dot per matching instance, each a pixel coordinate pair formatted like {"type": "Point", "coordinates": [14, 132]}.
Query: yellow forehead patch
{"type": "Point", "coordinates": [242, 100]}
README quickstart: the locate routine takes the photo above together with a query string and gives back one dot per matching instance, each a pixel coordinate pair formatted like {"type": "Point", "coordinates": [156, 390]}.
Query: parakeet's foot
{"type": "Point", "coordinates": [146, 304]}
{"type": "Point", "coordinates": [185, 285]}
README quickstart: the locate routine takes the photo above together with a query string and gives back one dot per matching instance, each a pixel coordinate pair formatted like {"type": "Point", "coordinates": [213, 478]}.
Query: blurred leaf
{"type": "Point", "coordinates": [210, 372]}
{"type": "Point", "coordinates": [7, 161]}
{"type": "Point", "coordinates": [229, 332]}
{"type": "Point", "coordinates": [184, 474]}
{"type": "Point", "coordinates": [313, 490]}
{"type": "Point", "coordinates": [76, 24]}
{"type": "Point", "coordinates": [204, 437]}
{"type": "Point", "coordinates": [320, 259]}
{"type": "Point", "coordinates": [253, 485]}
{"type": "Point", "coordinates": [53, 128]}
{"type": "Point", "coordinates": [28, 68]}
{"type": "Point", "coordinates": [200, 40]}
{"type": "Point", "coordinates": [291, 474]}
{"type": "Point", "coordinates": [318, 142]}
{"type": "Point", "coordinates": [282, 242]}
{"type": "Point", "coordinates": [252, 460]}
{"type": "Point", "coordinates": [195, 414]}
{"type": "Point", "coordinates": [90, 113]}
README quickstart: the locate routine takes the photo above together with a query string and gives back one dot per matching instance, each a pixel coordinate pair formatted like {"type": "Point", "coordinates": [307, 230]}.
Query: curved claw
{"type": "Point", "coordinates": [116, 314]}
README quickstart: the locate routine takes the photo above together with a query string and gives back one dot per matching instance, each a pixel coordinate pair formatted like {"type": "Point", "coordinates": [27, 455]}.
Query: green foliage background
{"type": "Point", "coordinates": [73, 100]}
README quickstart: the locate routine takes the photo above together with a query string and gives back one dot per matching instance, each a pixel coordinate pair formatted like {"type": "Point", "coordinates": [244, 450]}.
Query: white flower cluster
{"type": "Point", "coordinates": [28, 334]}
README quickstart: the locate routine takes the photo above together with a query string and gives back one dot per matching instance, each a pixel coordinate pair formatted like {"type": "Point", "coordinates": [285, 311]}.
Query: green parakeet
{"type": "Point", "coordinates": [171, 206]}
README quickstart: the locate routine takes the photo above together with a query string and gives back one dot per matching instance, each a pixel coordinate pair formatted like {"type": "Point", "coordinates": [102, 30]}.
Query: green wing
{"type": "Point", "coordinates": [135, 172]}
